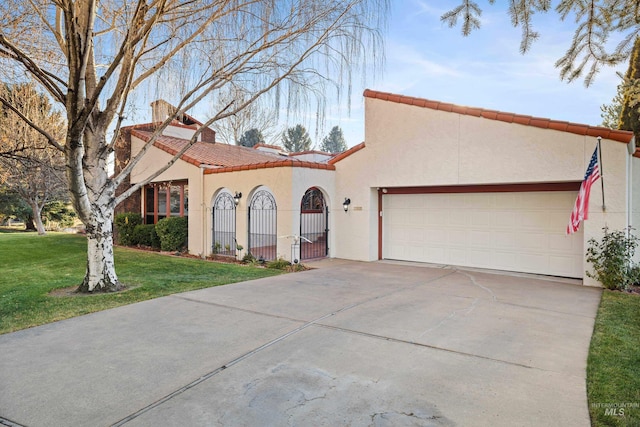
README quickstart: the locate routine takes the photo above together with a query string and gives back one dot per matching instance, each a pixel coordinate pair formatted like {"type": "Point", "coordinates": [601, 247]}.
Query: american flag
{"type": "Point", "coordinates": [581, 209]}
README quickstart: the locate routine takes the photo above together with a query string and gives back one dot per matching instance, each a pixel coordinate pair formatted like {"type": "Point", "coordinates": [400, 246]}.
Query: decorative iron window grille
{"type": "Point", "coordinates": [224, 225]}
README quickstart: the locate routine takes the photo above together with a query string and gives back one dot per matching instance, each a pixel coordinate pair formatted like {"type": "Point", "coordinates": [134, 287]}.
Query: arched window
{"type": "Point", "coordinates": [312, 201]}
{"type": "Point", "coordinates": [263, 238]}
{"type": "Point", "coordinates": [314, 225]}
{"type": "Point", "coordinates": [224, 225]}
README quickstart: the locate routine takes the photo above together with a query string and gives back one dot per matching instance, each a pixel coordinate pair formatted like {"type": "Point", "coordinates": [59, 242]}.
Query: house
{"type": "Point", "coordinates": [433, 182]}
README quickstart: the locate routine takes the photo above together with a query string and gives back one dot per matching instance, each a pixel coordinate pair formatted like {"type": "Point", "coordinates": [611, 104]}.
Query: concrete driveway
{"type": "Point", "coordinates": [350, 343]}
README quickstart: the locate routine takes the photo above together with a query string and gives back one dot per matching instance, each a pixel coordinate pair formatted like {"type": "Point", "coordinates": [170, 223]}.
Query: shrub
{"type": "Point", "coordinates": [125, 223]}
{"type": "Point", "coordinates": [248, 258]}
{"type": "Point", "coordinates": [173, 232]}
{"type": "Point", "coordinates": [278, 264]}
{"type": "Point", "coordinates": [58, 214]}
{"type": "Point", "coordinates": [612, 259]}
{"type": "Point", "coordinates": [145, 235]}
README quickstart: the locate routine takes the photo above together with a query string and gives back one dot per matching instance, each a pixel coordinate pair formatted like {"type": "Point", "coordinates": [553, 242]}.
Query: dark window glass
{"type": "Point", "coordinates": [176, 196]}
{"type": "Point", "coordinates": [150, 203]}
{"type": "Point", "coordinates": [186, 200]}
{"type": "Point", "coordinates": [162, 202]}
{"type": "Point", "coordinates": [175, 200]}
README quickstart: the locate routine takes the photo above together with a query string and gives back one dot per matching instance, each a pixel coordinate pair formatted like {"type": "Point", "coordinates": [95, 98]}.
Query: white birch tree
{"type": "Point", "coordinates": [95, 57]}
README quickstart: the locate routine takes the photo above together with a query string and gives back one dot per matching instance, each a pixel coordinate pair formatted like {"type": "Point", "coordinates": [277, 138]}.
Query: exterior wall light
{"type": "Point", "coordinates": [346, 203]}
{"type": "Point", "coordinates": [237, 197]}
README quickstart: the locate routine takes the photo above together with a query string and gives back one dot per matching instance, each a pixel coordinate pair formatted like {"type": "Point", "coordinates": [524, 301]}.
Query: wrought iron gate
{"type": "Point", "coordinates": [263, 238]}
{"type": "Point", "coordinates": [314, 225]}
{"type": "Point", "coordinates": [224, 225]}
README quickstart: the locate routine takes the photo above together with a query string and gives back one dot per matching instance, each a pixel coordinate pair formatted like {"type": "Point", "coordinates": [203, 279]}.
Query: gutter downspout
{"type": "Point", "coordinates": [631, 149]}
{"type": "Point", "coordinates": [203, 208]}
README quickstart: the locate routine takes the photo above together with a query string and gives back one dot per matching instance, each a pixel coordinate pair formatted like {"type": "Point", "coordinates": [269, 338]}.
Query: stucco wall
{"type": "Point", "coordinates": [635, 199]}
{"type": "Point", "coordinates": [288, 186]}
{"type": "Point", "coordinates": [413, 146]}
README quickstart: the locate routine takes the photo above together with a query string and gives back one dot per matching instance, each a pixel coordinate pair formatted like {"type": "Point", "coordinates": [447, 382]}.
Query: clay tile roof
{"type": "Point", "coordinates": [346, 153]}
{"type": "Point", "coordinates": [279, 162]}
{"type": "Point", "coordinates": [302, 153]}
{"type": "Point", "coordinates": [576, 128]}
{"type": "Point", "coordinates": [224, 157]}
{"type": "Point", "coordinates": [208, 153]}
{"type": "Point", "coordinates": [275, 147]}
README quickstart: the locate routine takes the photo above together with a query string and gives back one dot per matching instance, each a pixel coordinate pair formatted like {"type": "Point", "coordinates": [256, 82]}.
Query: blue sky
{"type": "Point", "coordinates": [427, 59]}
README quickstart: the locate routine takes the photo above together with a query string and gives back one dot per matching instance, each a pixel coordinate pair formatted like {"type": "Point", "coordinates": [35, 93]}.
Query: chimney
{"type": "Point", "coordinates": [160, 110]}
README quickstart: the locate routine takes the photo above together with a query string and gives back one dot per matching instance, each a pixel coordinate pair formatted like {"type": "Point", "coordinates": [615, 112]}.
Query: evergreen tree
{"type": "Point", "coordinates": [296, 139]}
{"type": "Point", "coordinates": [610, 113]}
{"type": "Point", "coordinates": [251, 138]}
{"type": "Point", "coordinates": [630, 114]}
{"type": "Point", "coordinates": [334, 142]}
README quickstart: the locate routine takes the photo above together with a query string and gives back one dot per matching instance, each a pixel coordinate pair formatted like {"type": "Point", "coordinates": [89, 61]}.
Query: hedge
{"type": "Point", "coordinates": [125, 224]}
{"type": "Point", "coordinates": [173, 232]}
{"type": "Point", "coordinates": [145, 235]}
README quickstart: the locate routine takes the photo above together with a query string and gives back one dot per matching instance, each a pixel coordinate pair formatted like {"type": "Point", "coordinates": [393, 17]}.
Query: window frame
{"type": "Point", "coordinates": [311, 200]}
{"type": "Point", "coordinates": [165, 186]}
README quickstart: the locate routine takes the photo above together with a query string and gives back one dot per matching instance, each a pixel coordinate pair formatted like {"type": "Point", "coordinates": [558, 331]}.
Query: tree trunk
{"type": "Point", "coordinates": [101, 271]}
{"type": "Point", "coordinates": [37, 219]}
{"type": "Point", "coordinates": [92, 196]}
{"type": "Point", "coordinates": [28, 224]}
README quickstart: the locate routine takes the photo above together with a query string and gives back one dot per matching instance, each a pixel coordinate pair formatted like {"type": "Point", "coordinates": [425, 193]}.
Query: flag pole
{"type": "Point", "coordinates": [604, 207]}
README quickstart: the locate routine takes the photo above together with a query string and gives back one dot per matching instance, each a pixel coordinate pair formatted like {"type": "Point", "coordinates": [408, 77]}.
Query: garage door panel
{"type": "Point", "coordinates": [478, 257]}
{"type": "Point", "coordinates": [436, 217]}
{"type": "Point", "coordinates": [481, 219]}
{"type": "Point", "coordinates": [503, 219]}
{"type": "Point", "coordinates": [534, 241]}
{"type": "Point", "coordinates": [437, 254]}
{"type": "Point", "coordinates": [505, 260]}
{"type": "Point", "coordinates": [532, 262]}
{"type": "Point", "coordinates": [457, 238]}
{"type": "Point", "coordinates": [504, 240]}
{"type": "Point", "coordinates": [566, 265]}
{"type": "Point", "coordinates": [457, 217]}
{"type": "Point", "coordinates": [480, 239]}
{"type": "Point", "coordinates": [457, 256]}
{"type": "Point", "coordinates": [506, 231]}
{"type": "Point", "coordinates": [560, 243]}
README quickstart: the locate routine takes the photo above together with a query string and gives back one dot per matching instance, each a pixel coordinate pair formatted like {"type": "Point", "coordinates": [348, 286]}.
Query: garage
{"type": "Point", "coordinates": [512, 227]}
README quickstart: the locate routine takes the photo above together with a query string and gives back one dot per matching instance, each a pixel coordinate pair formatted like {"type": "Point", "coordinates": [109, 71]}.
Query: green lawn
{"type": "Point", "coordinates": [613, 367]}
{"type": "Point", "coordinates": [32, 265]}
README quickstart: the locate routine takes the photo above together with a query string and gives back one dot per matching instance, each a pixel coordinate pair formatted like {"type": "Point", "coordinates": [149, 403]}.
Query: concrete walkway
{"type": "Point", "coordinates": [359, 344]}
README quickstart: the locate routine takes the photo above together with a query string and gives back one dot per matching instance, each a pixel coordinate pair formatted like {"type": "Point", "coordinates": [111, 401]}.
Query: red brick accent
{"type": "Point", "coordinates": [122, 156]}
